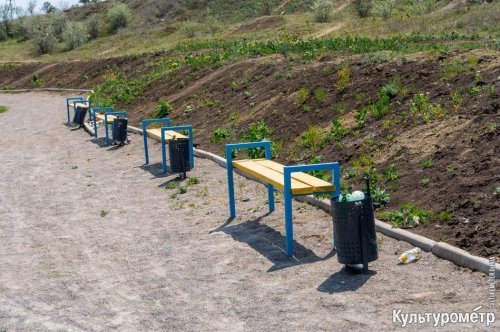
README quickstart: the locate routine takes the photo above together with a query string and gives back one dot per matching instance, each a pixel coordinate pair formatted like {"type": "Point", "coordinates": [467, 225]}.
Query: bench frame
{"type": "Point", "coordinates": [287, 191]}
{"type": "Point", "coordinates": [71, 101]}
{"type": "Point", "coordinates": [145, 123]}
{"type": "Point", "coordinates": [189, 129]}
{"type": "Point", "coordinates": [95, 110]}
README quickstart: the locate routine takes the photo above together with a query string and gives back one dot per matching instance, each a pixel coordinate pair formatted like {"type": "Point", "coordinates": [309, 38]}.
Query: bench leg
{"type": "Point", "coordinates": [145, 138]}
{"type": "Point", "coordinates": [288, 223]}
{"type": "Point", "coordinates": [163, 152]}
{"type": "Point", "coordinates": [191, 148]}
{"type": "Point", "coordinates": [95, 127]}
{"type": "Point", "coordinates": [270, 197]}
{"type": "Point", "coordinates": [107, 133]}
{"type": "Point", "coordinates": [67, 110]}
{"type": "Point", "coordinates": [230, 184]}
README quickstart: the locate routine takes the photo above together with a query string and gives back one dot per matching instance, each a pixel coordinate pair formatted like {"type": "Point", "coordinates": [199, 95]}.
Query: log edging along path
{"type": "Point", "coordinates": [440, 249]}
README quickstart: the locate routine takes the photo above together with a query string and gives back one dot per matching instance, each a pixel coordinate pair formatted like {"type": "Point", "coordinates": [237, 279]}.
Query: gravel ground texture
{"type": "Point", "coordinates": [91, 240]}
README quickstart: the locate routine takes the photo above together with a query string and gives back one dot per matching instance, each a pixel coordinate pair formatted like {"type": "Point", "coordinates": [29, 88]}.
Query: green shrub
{"type": "Point", "coordinates": [322, 10]}
{"type": "Point", "coordinates": [302, 95]}
{"type": "Point", "coordinates": [312, 138]}
{"type": "Point", "coordinates": [456, 99]}
{"type": "Point", "coordinates": [59, 22]}
{"type": "Point", "coordinates": [42, 33]}
{"type": "Point", "coordinates": [408, 216]}
{"type": "Point", "coordinates": [384, 8]}
{"type": "Point", "coordinates": [259, 131]}
{"type": "Point", "coordinates": [380, 196]}
{"type": "Point", "coordinates": [264, 7]}
{"type": "Point", "coordinates": [194, 4]}
{"type": "Point", "coordinates": [344, 75]}
{"type": "Point", "coordinates": [338, 131]}
{"type": "Point", "coordinates": [381, 107]}
{"type": "Point", "coordinates": [391, 173]}
{"type": "Point", "coordinates": [428, 163]}
{"type": "Point", "coordinates": [363, 7]}
{"type": "Point", "coordinates": [163, 110]}
{"type": "Point", "coordinates": [22, 28]}
{"type": "Point", "coordinates": [219, 135]}
{"type": "Point", "coordinates": [188, 29]}
{"type": "Point", "coordinates": [323, 175]}
{"type": "Point", "coordinates": [92, 26]}
{"type": "Point", "coordinates": [74, 35]}
{"type": "Point", "coordinates": [454, 67]}
{"type": "Point", "coordinates": [445, 215]}
{"type": "Point", "coordinates": [421, 106]}
{"type": "Point", "coordinates": [361, 117]}
{"type": "Point", "coordinates": [391, 89]}
{"type": "Point", "coordinates": [118, 16]}
{"type": "Point", "coordinates": [420, 7]}
{"type": "Point", "coordinates": [371, 174]}
{"type": "Point", "coordinates": [320, 95]}
{"type": "Point", "coordinates": [492, 127]}
{"type": "Point", "coordinates": [425, 182]}
{"type": "Point", "coordinates": [3, 109]}
{"type": "Point", "coordinates": [192, 181]}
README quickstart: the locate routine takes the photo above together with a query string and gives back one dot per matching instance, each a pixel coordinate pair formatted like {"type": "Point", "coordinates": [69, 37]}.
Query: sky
{"type": "Point", "coordinates": [57, 3]}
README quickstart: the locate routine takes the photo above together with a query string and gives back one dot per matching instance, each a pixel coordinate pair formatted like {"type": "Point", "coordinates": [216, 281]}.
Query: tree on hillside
{"type": "Point", "coordinates": [42, 34]}
{"type": "Point", "coordinates": [31, 7]}
{"type": "Point", "coordinates": [8, 13]}
{"type": "Point", "coordinates": [47, 7]}
{"type": "Point", "coordinates": [88, 1]}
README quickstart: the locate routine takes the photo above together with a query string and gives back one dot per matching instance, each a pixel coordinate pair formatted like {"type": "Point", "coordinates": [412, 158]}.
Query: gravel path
{"type": "Point", "coordinates": [90, 240]}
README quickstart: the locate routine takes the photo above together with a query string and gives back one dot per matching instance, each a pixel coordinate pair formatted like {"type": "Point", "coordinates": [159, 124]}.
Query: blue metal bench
{"type": "Point", "coordinates": [164, 134]}
{"type": "Point", "coordinates": [107, 115]}
{"type": "Point", "coordinates": [291, 180]}
{"type": "Point", "coordinates": [75, 102]}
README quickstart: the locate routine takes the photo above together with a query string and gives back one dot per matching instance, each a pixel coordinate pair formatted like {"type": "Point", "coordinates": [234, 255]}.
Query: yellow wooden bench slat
{"type": "Point", "coordinates": [100, 117]}
{"type": "Point", "coordinates": [169, 134]}
{"type": "Point", "coordinates": [318, 184]}
{"type": "Point", "coordinates": [271, 176]}
{"type": "Point", "coordinates": [81, 105]}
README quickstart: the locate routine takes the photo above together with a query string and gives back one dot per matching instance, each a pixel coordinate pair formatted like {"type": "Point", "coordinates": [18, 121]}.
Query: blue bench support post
{"type": "Point", "coordinates": [288, 196]}
{"type": "Point", "coordinates": [93, 112]}
{"type": "Point", "coordinates": [124, 114]}
{"type": "Point", "coordinates": [230, 178]}
{"type": "Point", "coordinates": [145, 123]}
{"type": "Point", "coordinates": [270, 188]}
{"type": "Point", "coordinates": [70, 101]}
{"type": "Point", "coordinates": [189, 129]}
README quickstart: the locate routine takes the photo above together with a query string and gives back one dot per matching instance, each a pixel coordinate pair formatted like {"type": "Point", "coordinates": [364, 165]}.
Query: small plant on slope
{"type": "Point", "coordinates": [163, 109]}
{"type": "Point", "coordinates": [408, 216]}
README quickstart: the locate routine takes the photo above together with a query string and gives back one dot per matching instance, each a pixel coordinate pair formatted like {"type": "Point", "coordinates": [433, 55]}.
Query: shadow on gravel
{"type": "Point", "coordinates": [345, 280]}
{"type": "Point", "coordinates": [270, 243]}
{"type": "Point", "coordinates": [155, 170]}
{"type": "Point", "coordinates": [101, 142]}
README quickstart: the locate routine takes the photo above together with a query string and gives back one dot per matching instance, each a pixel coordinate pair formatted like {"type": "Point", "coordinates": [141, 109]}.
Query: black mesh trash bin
{"type": "Point", "coordinates": [354, 232]}
{"type": "Point", "coordinates": [79, 117]}
{"type": "Point", "coordinates": [119, 131]}
{"type": "Point", "coordinates": [178, 152]}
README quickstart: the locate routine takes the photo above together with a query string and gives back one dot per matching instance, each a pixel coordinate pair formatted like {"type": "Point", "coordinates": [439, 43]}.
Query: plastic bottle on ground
{"type": "Point", "coordinates": [411, 255]}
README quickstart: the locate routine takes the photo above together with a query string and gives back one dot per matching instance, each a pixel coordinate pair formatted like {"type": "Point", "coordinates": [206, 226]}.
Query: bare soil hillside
{"type": "Point", "coordinates": [447, 164]}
